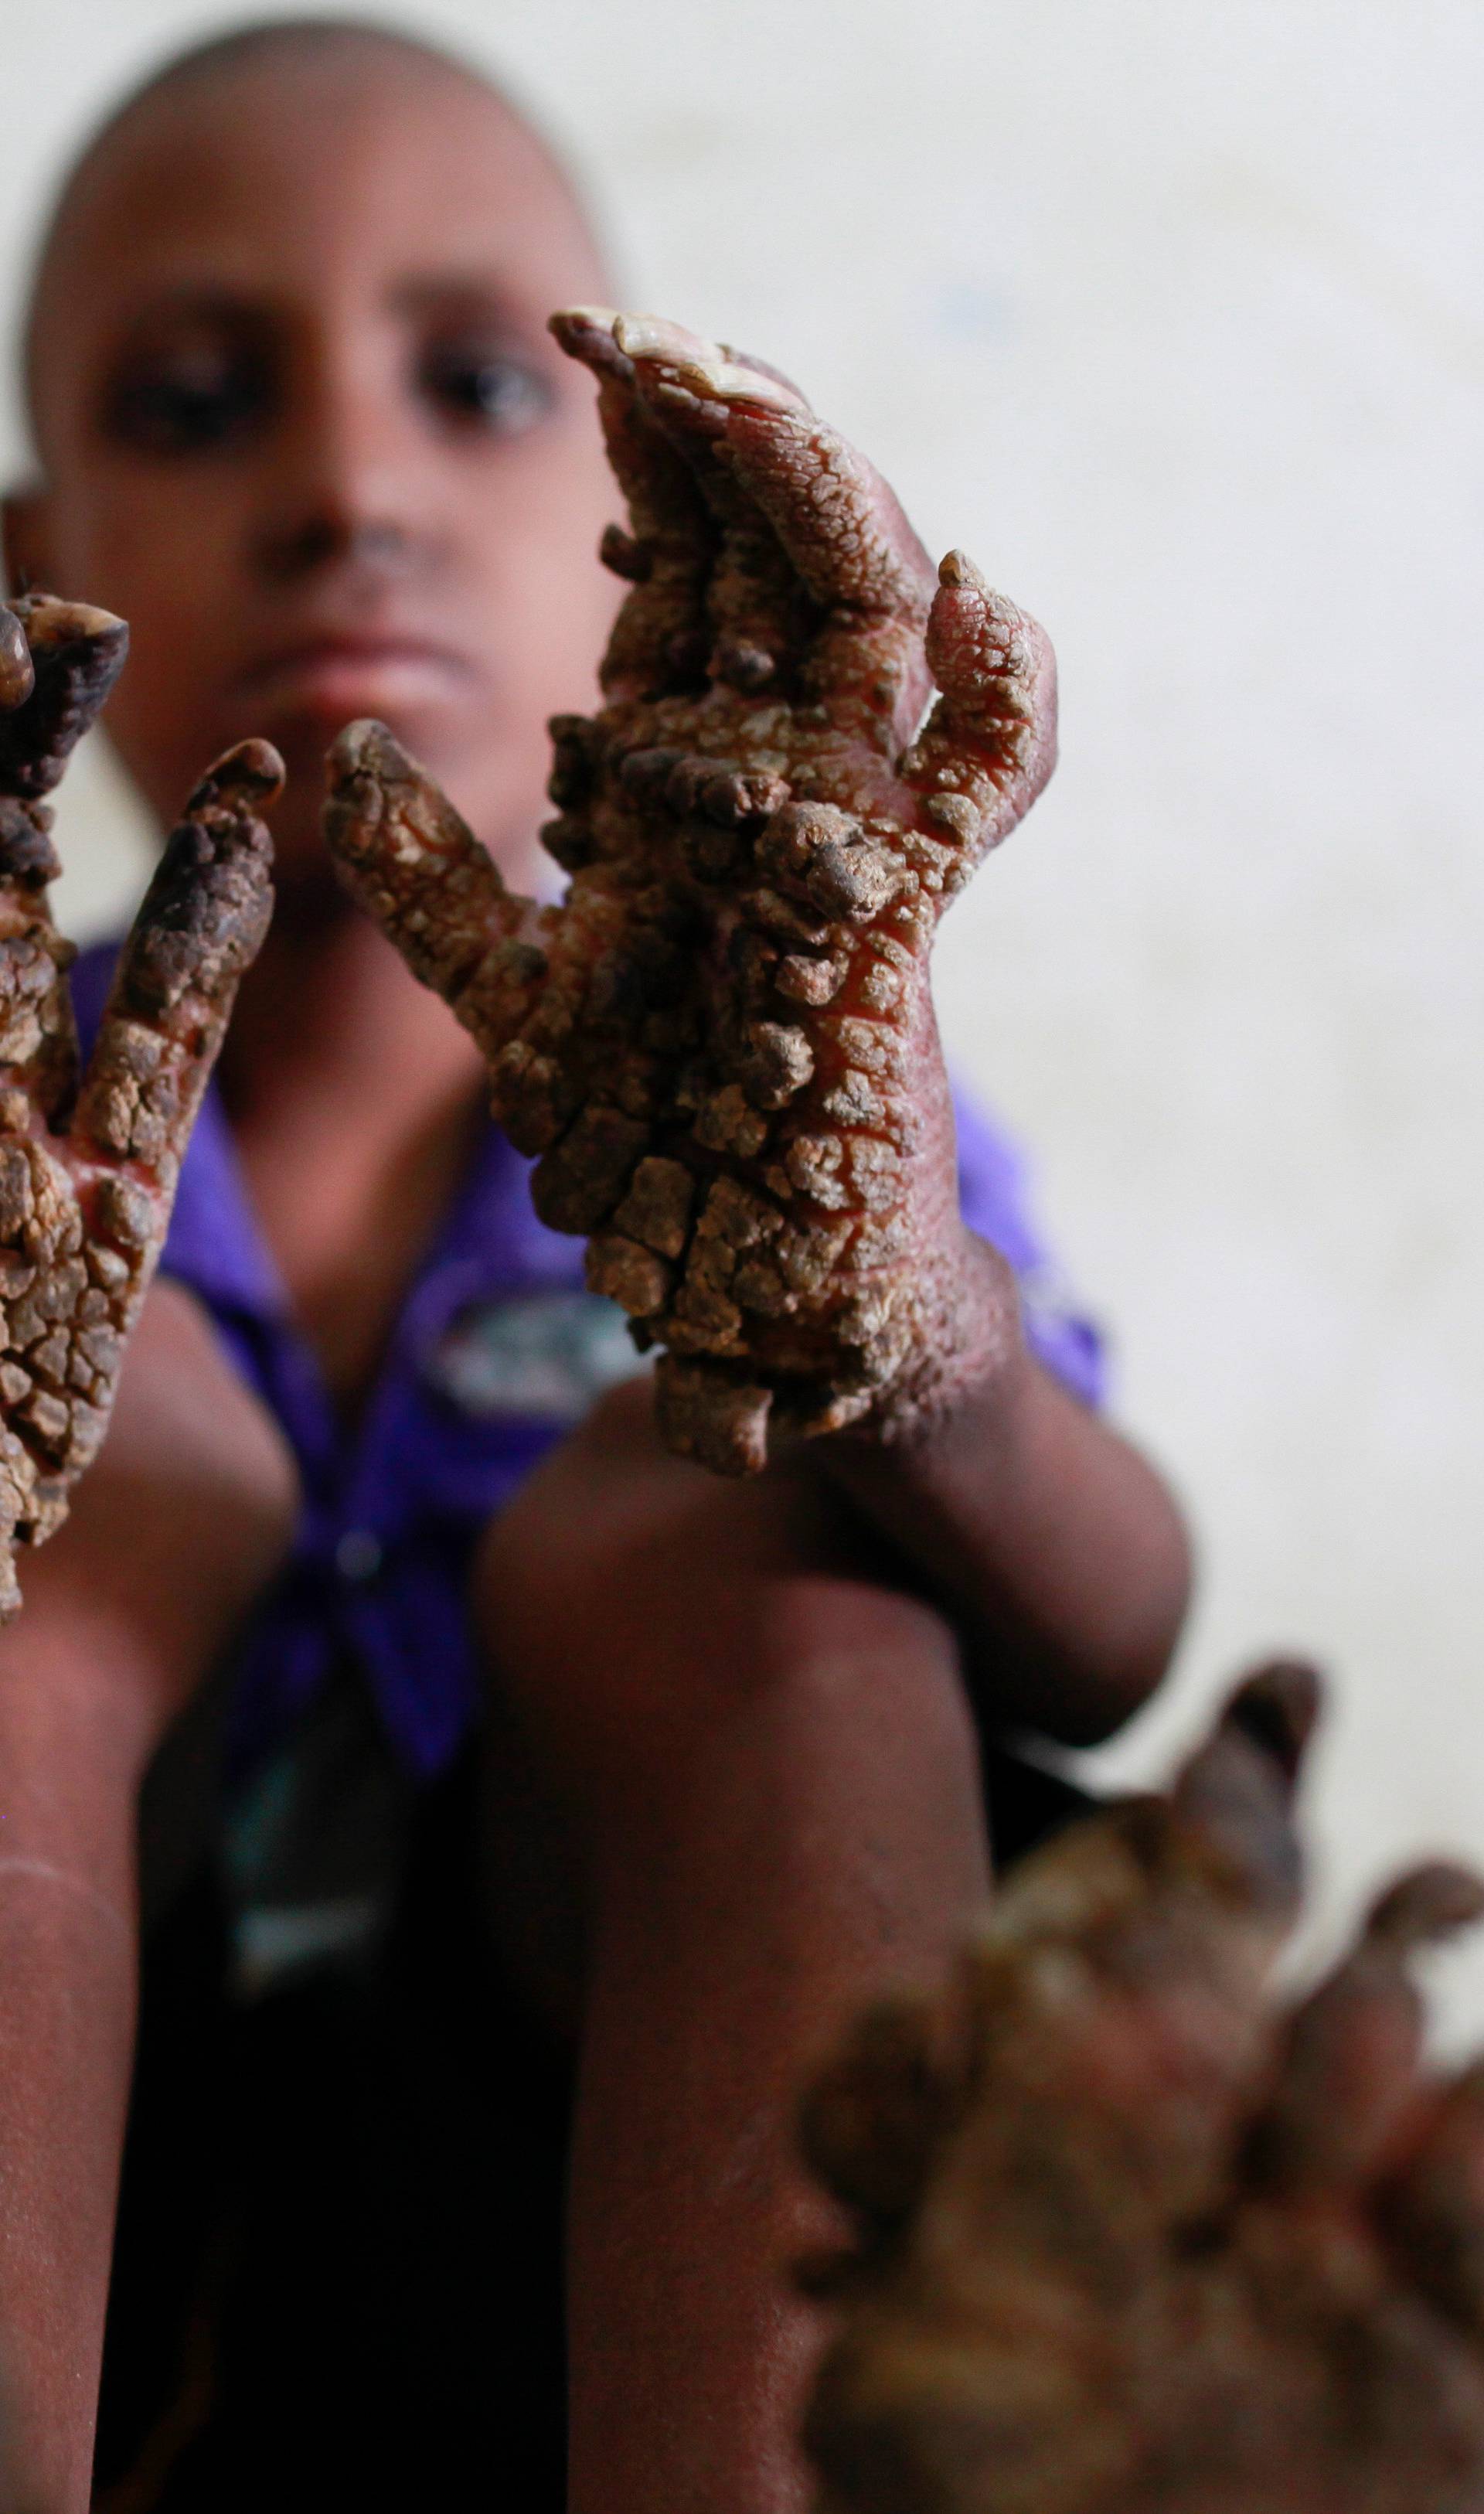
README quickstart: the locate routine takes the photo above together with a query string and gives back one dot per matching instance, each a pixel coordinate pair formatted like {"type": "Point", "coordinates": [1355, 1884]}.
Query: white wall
{"type": "Point", "coordinates": [1170, 313]}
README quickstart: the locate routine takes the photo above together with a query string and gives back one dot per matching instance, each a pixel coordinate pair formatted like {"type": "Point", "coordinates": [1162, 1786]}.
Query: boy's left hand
{"type": "Point", "coordinates": [722, 1044]}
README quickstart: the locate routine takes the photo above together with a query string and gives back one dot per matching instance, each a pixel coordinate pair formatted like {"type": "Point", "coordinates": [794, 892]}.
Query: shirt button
{"type": "Point", "coordinates": [358, 1555]}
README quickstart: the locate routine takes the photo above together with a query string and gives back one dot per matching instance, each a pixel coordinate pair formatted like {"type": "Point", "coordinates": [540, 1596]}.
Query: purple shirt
{"type": "Point", "coordinates": [498, 1350]}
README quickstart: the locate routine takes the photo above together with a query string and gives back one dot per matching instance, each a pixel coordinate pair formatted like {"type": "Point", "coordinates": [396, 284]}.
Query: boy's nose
{"type": "Point", "coordinates": [347, 480]}
{"type": "Point", "coordinates": [330, 534]}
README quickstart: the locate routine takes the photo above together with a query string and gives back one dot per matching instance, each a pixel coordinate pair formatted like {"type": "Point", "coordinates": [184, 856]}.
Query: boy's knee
{"type": "Point", "coordinates": [846, 1671]}
{"type": "Point", "coordinates": [833, 1646]}
{"type": "Point", "coordinates": [804, 1672]}
{"type": "Point", "coordinates": [633, 1609]}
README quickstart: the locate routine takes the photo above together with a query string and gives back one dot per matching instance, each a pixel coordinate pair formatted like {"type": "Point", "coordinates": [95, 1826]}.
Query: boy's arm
{"type": "Point", "coordinates": [174, 1531]}
{"type": "Point", "coordinates": [723, 1045]}
{"type": "Point", "coordinates": [67, 2013]}
{"type": "Point", "coordinates": [170, 1537]}
{"type": "Point", "coordinates": [1049, 1541]}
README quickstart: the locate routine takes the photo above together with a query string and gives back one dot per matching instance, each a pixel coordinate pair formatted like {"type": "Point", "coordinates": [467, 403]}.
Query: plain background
{"type": "Point", "coordinates": [1169, 313]}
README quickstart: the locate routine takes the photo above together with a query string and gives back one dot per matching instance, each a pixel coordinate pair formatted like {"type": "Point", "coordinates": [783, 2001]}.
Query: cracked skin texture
{"type": "Point", "coordinates": [721, 1045]}
{"type": "Point", "coordinates": [1134, 2235]}
{"type": "Point", "coordinates": [89, 1161]}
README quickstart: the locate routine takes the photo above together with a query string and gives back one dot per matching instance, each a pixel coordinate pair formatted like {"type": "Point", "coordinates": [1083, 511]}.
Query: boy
{"type": "Point", "coordinates": [299, 420]}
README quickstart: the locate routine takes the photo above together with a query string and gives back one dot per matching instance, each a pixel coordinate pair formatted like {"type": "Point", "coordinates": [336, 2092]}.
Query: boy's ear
{"type": "Point", "coordinates": [24, 540]}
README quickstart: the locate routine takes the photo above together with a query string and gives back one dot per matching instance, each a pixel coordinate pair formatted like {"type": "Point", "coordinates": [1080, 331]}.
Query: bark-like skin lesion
{"type": "Point", "coordinates": [722, 1044]}
{"type": "Point", "coordinates": [89, 1161]}
{"type": "Point", "coordinates": [1137, 2236]}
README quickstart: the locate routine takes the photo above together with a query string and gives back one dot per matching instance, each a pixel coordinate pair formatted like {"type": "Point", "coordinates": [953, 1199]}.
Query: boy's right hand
{"type": "Point", "coordinates": [88, 1165]}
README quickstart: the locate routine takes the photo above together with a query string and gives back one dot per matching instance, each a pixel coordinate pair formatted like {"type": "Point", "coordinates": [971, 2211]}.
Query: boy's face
{"type": "Point", "coordinates": [302, 424]}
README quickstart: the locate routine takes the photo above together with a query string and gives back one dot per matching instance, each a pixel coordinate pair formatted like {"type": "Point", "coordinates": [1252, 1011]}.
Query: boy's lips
{"type": "Point", "coordinates": [339, 677]}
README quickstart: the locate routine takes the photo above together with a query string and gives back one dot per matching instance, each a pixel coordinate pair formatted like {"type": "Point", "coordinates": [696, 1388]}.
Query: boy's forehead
{"type": "Point", "coordinates": [280, 176]}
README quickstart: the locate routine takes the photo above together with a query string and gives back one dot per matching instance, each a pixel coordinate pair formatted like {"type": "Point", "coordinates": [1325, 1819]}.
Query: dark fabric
{"type": "Point", "coordinates": [1026, 1804]}
{"type": "Point", "coordinates": [338, 2280]}
{"type": "Point", "coordinates": [338, 2271]}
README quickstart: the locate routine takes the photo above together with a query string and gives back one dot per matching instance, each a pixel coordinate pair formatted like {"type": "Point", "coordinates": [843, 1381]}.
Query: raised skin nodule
{"type": "Point", "coordinates": [89, 1159]}
{"type": "Point", "coordinates": [721, 1046]}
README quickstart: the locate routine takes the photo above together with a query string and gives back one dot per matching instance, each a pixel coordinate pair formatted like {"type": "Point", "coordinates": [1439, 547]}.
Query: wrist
{"type": "Point", "coordinates": [967, 1362]}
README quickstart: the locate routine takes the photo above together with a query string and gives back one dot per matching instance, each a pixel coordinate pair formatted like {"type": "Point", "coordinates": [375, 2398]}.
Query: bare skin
{"type": "Point", "coordinates": [353, 221]}
{"type": "Point", "coordinates": [1133, 2234]}
{"type": "Point", "coordinates": [755, 1807]}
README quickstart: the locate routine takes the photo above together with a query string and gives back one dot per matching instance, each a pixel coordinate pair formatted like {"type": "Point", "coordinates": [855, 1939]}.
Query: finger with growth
{"type": "Point", "coordinates": [1350, 2070]}
{"type": "Point", "coordinates": [76, 654]}
{"type": "Point", "coordinates": [200, 926]}
{"type": "Point", "coordinates": [990, 743]}
{"type": "Point", "coordinates": [57, 662]}
{"type": "Point", "coordinates": [18, 677]}
{"type": "Point", "coordinates": [38, 1037]}
{"type": "Point", "coordinates": [660, 639]}
{"type": "Point", "coordinates": [759, 619]}
{"type": "Point", "coordinates": [1431, 2207]}
{"type": "Point", "coordinates": [83, 1216]}
{"type": "Point", "coordinates": [790, 485]}
{"type": "Point", "coordinates": [414, 866]}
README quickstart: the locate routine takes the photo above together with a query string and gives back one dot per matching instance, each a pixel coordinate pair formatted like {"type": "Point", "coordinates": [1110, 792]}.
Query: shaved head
{"type": "Point", "coordinates": [293, 51]}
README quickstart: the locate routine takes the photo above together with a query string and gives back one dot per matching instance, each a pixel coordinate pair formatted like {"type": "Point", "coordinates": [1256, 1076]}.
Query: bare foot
{"type": "Point", "coordinates": [87, 1164]}
{"type": "Point", "coordinates": [1137, 2237]}
{"type": "Point", "coordinates": [722, 1046]}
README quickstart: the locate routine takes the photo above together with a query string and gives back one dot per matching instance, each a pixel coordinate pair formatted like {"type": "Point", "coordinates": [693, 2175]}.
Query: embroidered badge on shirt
{"type": "Point", "coordinates": [546, 1357]}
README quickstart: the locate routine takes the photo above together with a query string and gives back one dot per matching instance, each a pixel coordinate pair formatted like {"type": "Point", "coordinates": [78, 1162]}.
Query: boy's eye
{"type": "Point", "coordinates": [190, 398]}
{"type": "Point", "coordinates": [482, 388]}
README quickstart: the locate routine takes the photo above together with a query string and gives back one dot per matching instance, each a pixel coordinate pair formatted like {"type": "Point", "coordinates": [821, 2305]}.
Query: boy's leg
{"type": "Point", "coordinates": [765, 1777]}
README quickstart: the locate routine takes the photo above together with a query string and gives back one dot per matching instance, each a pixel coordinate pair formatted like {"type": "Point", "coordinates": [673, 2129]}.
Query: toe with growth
{"type": "Point", "coordinates": [1134, 2229]}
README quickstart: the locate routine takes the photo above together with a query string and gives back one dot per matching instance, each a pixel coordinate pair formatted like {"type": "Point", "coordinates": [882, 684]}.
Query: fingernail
{"type": "Point", "coordinates": [699, 364]}
{"type": "Point", "coordinates": [594, 319]}
{"type": "Point", "coordinates": [365, 745]}
{"type": "Point", "coordinates": [52, 622]}
{"type": "Point", "coordinates": [958, 569]}
{"type": "Point", "coordinates": [252, 768]}
{"type": "Point", "coordinates": [745, 384]}
{"type": "Point", "coordinates": [18, 677]}
{"type": "Point", "coordinates": [650, 336]}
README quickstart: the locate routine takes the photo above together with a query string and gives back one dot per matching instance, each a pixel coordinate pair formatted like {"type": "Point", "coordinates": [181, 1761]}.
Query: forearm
{"type": "Point", "coordinates": [69, 1764]}
{"type": "Point", "coordinates": [1052, 1544]}
{"type": "Point", "coordinates": [127, 1611]}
